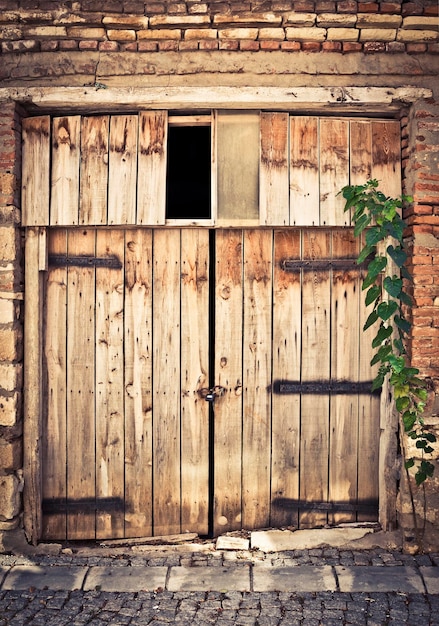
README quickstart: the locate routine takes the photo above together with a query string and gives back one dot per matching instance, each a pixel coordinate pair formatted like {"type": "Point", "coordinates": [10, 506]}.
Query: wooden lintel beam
{"type": "Point", "coordinates": [101, 97]}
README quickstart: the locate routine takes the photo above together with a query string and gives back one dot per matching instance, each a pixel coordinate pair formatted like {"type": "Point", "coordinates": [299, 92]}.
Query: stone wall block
{"type": "Point", "coordinates": [9, 311]}
{"type": "Point", "coordinates": [121, 35]}
{"type": "Point", "coordinates": [10, 496]}
{"type": "Point", "coordinates": [238, 33]}
{"type": "Point", "coordinates": [417, 35]}
{"type": "Point", "coordinates": [11, 455]}
{"type": "Point", "coordinates": [306, 34]}
{"type": "Point", "coordinates": [200, 33]}
{"type": "Point", "coordinates": [250, 19]}
{"type": "Point", "coordinates": [300, 19]}
{"type": "Point", "coordinates": [335, 20]}
{"type": "Point", "coordinates": [159, 34]}
{"type": "Point", "coordinates": [10, 406]}
{"type": "Point", "coordinates": [421, 23]}
{"type": "Point", "coordinates": [178, 21]}
{"type": "Point", "coordinates": [378, 21]}
{"type": "Point", "coordinates": [273, 34]}
{"type": "Point", "coordinates": [342, 34]}
{"type": "Point", "coordinates": [11, 344]}
{"type": "Point", "coordinates": [7, 33]}
{"type": "Point", "coordinates": [11, 376]}
{"type": "Point", "coordinates": [78, 32]}
{"type": "Point", "coordinates": [42, 32]}
{"type": "Point", "coordinates": [377, 34]}
{"type": "Point", "coordinates": [9, 243]}
{"type": "Point", "coordinates": [126, 21]}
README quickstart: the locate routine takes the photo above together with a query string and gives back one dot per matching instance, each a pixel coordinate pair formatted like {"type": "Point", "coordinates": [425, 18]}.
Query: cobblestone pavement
{"type": "Point", "coordinates": [160, 607]}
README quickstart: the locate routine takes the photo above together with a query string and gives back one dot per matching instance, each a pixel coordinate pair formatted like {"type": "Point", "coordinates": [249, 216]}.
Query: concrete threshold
{"type": "Point", "coordinates": [259, 577]}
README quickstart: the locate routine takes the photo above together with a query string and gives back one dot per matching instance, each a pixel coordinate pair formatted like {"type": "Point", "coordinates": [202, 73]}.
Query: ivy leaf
{"type": "Point", "coordinates": [383, 333]}
{"type": "Point", "coordinates": [405, 298]}
{"type": "Point", "coordinates": [398, 255]}
{"type": "Point", "coordinates": [361, 224]}
{"type": "Point", "coordinates": [409, 420]}
{"type": "Point", "coordinates": [386, 309]}
{"type": "Point", "coordinates": [366, 251]}
{"type": "Point", "coordinates": [397, 362]}
{"type": "Point", "coordinates": [381, 355]}
{"type": "Point", "coordinates": [374, 235]}
{"type": "Point", "coordinates": [409, 463]}
{"type": "Point", "coordinates": [376, 266]}
{"type": "Point", "coordinates": [372, 294]}
{"type": "Point", "coordinates": [402, 403]}
{"type": "Point", "coordinates": [402, 323]}
{"type": "Point", "coordinates": [370, 320]}
{"type": "Point", "coordinates": [430, 437]}
{"type": "Point", "coordinates": [393, 286]}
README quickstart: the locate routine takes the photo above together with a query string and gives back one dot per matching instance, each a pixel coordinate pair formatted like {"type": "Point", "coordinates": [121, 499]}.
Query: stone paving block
{"type": "Point", "coordinates": [3, 572]}
{"type": "Point", "coordinates": [303, 578]}
{"type": "Point", "coordinates": [184, 578]}
{"type": "Point", "coordinates": [22, 577]}
{"type": "Point", "coordinates": [126, 579]}
{"type": "Point", "coordinates": [279, 540]}
{"type": "Point", "coordinates": [232, 543]}
{"type": "Point", "coordinates": [374, 578]}
{"type": "Point", "coordinates": [431, 578]}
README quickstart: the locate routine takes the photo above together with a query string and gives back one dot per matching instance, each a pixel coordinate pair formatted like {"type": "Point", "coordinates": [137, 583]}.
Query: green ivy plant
{"type": "Point", "coordinates": [380, 217]}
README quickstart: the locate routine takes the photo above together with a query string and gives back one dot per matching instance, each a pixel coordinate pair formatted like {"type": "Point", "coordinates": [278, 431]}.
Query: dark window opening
{"type": "Point", "coordinates": [188, 186]}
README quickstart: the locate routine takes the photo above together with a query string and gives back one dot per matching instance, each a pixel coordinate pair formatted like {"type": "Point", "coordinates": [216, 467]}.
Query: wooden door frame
{"type": "Point", "coordinates": [324, 100]}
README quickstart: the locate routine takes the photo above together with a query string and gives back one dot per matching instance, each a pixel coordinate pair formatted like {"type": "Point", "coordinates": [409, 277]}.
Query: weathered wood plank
{"type": "Point", "coordinates": [94, 170]}
{"type": "Point", "coordinates": [344, 367]}
{"type": "Point", "coordinates": [122, 169]}
{"type": "Point", "coordinates": [54, 428]}
{"type": "Point", "coordinates": [194, 376]}
{"type": "Point", "coordinates": [138, 383]}
{"type": "Point", "coordinates": [33, 391]}
{"type": "Point", "coordinates": [35, 186]}
{"type": "Point", "coordinates": [360, 157]}
{"type": "Point", "coordinates": [361, 99]}
{"type": "Point", "coordinates": [334, 170]}
{"type": "Point", "coordinates": [274, 170]}
{"type": "Point", "coordinates": [109, 385]}
{"type": "Point", "coordinates": [386, 156]}
{"type": "Point", "coordinates": [228, 373]}
{"type": "Point", "coordinates": [151, 179]}
{"type": "Point", "coordinates": [287, 318]}
{"type": "Point", "coordinates": [81, 430]}
{"type": "Point", "coordinates": [166, 381]}
{"type": "Point", "coordinates": [304, 171]}
{"type": "Point", "coordinates": [66, 154]}
{"type": "Point", "coordinates": [314, 444]}
{"type": "Point", "coordinates": [258, 245]}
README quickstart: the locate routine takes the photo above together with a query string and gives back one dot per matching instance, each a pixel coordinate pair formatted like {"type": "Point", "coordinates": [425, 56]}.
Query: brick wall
{"type": "Point", "coordinates": [11, 329]}
{"type": "Point", "coordinates": [345, 26]}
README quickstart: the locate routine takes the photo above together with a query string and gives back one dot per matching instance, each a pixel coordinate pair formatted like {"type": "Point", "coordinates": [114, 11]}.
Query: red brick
{"type": "Point", "coordinates": [168, 46]}
{"type": "Point", "coordinates": [207, 44]}
{"type": "Point", "coordinates": [390, 7]}
{"type": "Point", "coordinates": [433, 48]}
{"type": "Point", "coordinates": [347, 6]}
{"type": "Point", "coordinates": [311, 46]}
{"type": "Point", "coordinates": [416, 48]}
{"type": "Point", "coordinates": [192, 44]}
{"type": "Point", "coordinates": [270, 45]}
{"type": "Point", "coordinates": [374, 46]}
{"type": "Point", "coordinates": [331, 46]}
{"type": "Point", "coordinates": [108, 46]}
{"type": "Point", "coordinates": [352, 47]}
{"type": "Point", "coordinates": [367, 7]}
{"type": "Point", "coordinates": [229, 45]}
{"type": "Point", "coordinates": [249, 46]}
{"type": "Point", "coordinates": [147, 46]}
{"type": "Point", "coordinates": [290, 46]}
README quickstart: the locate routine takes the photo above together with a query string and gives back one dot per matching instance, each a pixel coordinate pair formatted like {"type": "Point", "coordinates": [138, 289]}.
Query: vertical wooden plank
{"type": "Point", "coordinates": [94, 170]}
{"type": "Point", "coordinates": [54, 429]}
{"type": "Point", "coordinates": [166, 381]}
{"type": "Point", "coordinates": [274, 170]}
{"type": "Point", "coordinates": [228, 373]}
{"type": "Point", "coordinates": [344, 367]}
{"type": "Point", "coordinates": [369, 420]}
{"type": "Point", "coordinates": [109, 387]}
{"type": "Point", "coordinates": [258, 247]}
{"type": "Point", "coordinates": [81, 389]}
{"type": "Point", "coordinates": [151, 179]}
{"type": "Point", "coordinates": [122, 169]}
{"type": "Point", "coordinates": [304, 171]}
{"type": "Point", "coordinates": [32, 392]}
{"type": "Point", "coordinates": [194, 376]}
{"type": "Point", "coordinates": [287, 336]}
{"type": "Point", "coordinates": [386, 156]}
{"type": "Point", "coordinates": [64, 201]}
{"type": "Point", "coordinates": [138, 383]}
{"type": "Point", "coordinates": [334, 170]}
{"type": "Point", "coordinates": [316, 310]}
{"type": "Point", "coordinates": [35, 171]}
{"type": "Point", "coordinates": [360, 158]}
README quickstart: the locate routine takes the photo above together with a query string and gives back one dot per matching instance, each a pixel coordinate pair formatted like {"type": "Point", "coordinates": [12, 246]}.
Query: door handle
{"type": "Point", "coordinates": [210, 394]}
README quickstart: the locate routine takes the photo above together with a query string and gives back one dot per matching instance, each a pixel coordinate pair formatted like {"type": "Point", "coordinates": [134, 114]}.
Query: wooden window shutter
{"type": "Point", "coordinates": [36, 171]}
{"type": "Point", "coordinates": [274, 170]}
{"type": "Point", "coordinates": [151, 178]}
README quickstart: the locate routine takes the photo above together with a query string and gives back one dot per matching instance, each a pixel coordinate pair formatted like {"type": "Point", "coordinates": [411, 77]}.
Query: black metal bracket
{"type": "Point", "coordinates": [61, 260]}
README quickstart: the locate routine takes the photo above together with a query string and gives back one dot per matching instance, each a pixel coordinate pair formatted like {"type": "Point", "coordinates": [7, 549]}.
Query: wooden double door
{"type": "Point", "coordinates": [206, 381]}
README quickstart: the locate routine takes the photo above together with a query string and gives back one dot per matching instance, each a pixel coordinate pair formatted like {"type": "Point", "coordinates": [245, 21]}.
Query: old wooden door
{"type": "Point", "coordinates": [142, 323]}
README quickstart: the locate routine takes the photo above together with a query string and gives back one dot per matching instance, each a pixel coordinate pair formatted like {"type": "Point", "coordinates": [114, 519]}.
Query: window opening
{"type": "Point", "coordinates": [188, 181]}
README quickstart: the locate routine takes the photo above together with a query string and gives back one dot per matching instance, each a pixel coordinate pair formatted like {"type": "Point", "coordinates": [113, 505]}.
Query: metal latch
{"type": "Point", "coordinates": [210, 394]}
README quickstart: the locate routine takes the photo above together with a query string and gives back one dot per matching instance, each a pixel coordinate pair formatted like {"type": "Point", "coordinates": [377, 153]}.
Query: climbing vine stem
{"type": "Point", "coordinates": [379, 217]}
